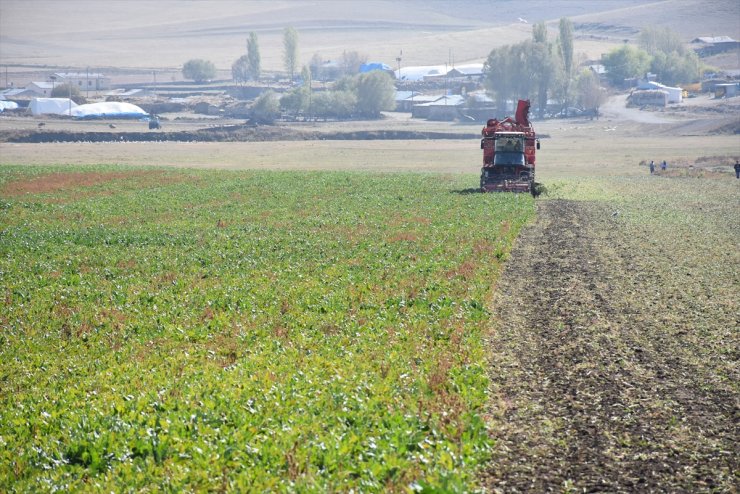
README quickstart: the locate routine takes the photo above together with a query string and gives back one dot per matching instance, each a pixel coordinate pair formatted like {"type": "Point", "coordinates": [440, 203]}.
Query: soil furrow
{"type": "Point", "coordinates": [590, 391]}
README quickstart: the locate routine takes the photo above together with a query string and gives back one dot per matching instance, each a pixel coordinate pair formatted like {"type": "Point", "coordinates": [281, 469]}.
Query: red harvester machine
{"type": "Point", "coordinates": [508, 153]}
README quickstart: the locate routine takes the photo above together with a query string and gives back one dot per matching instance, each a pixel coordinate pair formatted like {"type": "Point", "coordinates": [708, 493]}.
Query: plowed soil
{"type": "Point", "coordinates": [595, 387]}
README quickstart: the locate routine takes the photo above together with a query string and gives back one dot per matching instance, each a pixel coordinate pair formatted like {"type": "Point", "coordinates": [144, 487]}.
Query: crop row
{"type": "Point", "coordinates": [249, 331]}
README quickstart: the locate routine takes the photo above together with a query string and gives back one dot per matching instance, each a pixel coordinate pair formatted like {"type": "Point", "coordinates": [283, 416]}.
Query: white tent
{"type": "Point", "coordinates": [56, 106]}
{"type": "Point", "coordinates": [108, 109]}
{"type": "Point", "coordinates": [8, 105]}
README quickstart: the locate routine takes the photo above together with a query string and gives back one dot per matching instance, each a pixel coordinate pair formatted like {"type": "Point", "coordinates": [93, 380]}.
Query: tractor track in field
{"type": "Point", "coordinates": [592, 391]}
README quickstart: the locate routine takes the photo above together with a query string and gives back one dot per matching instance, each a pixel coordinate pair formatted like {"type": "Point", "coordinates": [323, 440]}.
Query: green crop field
{"type": "Point", "coordinates": [170, 330]}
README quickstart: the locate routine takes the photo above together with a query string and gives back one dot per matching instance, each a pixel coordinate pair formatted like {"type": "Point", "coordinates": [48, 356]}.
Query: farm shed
{"type": "Point", "coordinates": [404, 100]}
{"type": "Point", "coordinates": [467, 72]}
{"type": "Point", "coordinates": [446, 108]}
{"type": "Point", "coordinates": [675, 94]}
{"type": "Point", "coordinates": [21, 96]}
{"type": "Point", "coordinates": [705, 46]}
{"type": "Point", "coordinates": [725, 90]}
{"type": "Point", "coordinates": [653, 97]}
{"type": "Point", "coordinates": [51, 106]}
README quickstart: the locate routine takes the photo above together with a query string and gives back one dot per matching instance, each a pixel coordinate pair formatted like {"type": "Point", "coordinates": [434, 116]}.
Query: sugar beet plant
{"type": "Point", "coordinates": [245, 331]}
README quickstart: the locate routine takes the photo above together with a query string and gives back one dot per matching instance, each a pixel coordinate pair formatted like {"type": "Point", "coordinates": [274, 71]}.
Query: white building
{"type": "Point", "coordinates": [41, 88]}
{"type": "Point", "coordinates": [86, 81]}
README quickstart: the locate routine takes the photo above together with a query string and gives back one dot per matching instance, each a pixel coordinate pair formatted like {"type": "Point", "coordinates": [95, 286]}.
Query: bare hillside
{"type": "Point", "coordinates": [119, 33]}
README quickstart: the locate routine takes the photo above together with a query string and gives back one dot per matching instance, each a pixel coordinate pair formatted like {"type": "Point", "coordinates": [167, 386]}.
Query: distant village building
{"type": "Point", "coordinates": [673, 94]}
{"type": "Point", "coordinates": [726, 90]}
{"type": "Point", "coordinates": [466, 73]}
{"type": "Point", "coordinates": [91, 81]}
{"type": "Point", "coordinates": [443, 108]}
{"type": "Point", "coordinates": [42, 89]}
{"type": "Point", "coordinates": [705, 46]}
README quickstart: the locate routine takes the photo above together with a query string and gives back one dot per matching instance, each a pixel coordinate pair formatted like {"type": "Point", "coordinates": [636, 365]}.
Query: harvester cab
{"type": "Point", "coordinates": [509, 153]}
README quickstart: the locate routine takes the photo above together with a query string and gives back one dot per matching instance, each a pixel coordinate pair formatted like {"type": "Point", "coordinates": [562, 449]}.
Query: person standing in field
{"type": "Point", "coordinates": [737, 169]}
{"type": "Point", "coordinates": [664, 166]}
{"type": "Point", "coordinates": [652, 167]}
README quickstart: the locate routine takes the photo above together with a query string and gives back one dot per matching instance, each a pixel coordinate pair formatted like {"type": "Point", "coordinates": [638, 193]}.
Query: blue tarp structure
{"type": "Point", "coordinates": [367, 67]}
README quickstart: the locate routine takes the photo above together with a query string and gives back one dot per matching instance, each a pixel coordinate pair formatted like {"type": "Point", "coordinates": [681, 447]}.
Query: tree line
{"type": "Point", "coordinates": [541, 70]}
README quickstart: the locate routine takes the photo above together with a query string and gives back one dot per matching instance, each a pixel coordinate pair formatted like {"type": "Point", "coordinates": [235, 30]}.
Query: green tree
{"type": "Point", "coordinates": [266, 108]}
{"type": "Point", "coordinates": [240, 70]}
{"type": "Point", "coordinates": [523, 70]}
{"type": "Point", "coordinates": [625, 62]}
{"type": "Point", "coordinates": [199, 70]}
{"type": "Point", "coordinates": [253, 57]}
{"type": "Point", "coordinates": [294, 102]}
{"type": "Point", "coordinates": [565, 46]}
{"type": "Point", "coordinates": [539, 32]}
{"type": "Point", "coordinates": [70, 91]}
{"type": "Point", "coordinates": [671, 61]}
{"type": "Point", "coordinates": [544, 65]}
{"type": "Point", "coordinates": [660, 40]}
{"type": "Point", "coordinates": [290, 50]}
{"type": "Point", "coordinates": [590, 94]}
{"type": "Point", "coordinates": [307, 87]}
{"type": "Point", "coordinates": [673, 68]}
{"type": "Point", "coordinates": [334, 104]}
{"type": "Point", "coordinates": [497, 75]}
{"type": "Point", "coordinates": [351, 61]}
{"type": "Point", "coordinates": [315, 65]}
{"type": "Point", "coordinates": [375, 93]}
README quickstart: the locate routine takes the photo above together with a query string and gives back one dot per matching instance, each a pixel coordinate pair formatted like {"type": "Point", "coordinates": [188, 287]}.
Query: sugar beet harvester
{"type": "Point", "coordinates": [509, 153]}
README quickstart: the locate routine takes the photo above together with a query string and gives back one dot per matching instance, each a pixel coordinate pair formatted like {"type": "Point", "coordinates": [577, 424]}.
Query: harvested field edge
{"type": "Point", "coordinates": [226, 134]}
{"type": "Point", "coordinates": [592, 391]}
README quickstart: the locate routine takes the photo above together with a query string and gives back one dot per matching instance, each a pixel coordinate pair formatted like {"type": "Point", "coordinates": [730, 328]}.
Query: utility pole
{"type": "Point", "coordinates": [87, 83]}
{"type": "Point", "coordinates": [398, 59]}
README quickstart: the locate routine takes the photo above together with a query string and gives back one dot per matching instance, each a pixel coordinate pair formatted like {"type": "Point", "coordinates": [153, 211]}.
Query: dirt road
{"type": "Point", "coordinates": [596, 386]}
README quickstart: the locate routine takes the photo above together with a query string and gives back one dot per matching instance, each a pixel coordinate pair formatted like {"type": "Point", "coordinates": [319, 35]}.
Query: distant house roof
{"type": "Point", "coordinates": [9, 93]}
{"type": "Point", "coordinates": [43, 85]}
{"type": "Point", "coordinates": [450, 100]}
{"type": "Point", "coordinates": [425, 98]}
{"type": "Point", "coordinates": [713, 39]}
{"type": "Point", "coordinates": [419, 73]}
{"type": "Point", "coordinates": [78, 75]}
{"type": "Point", "coordinates": [469, 70]}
